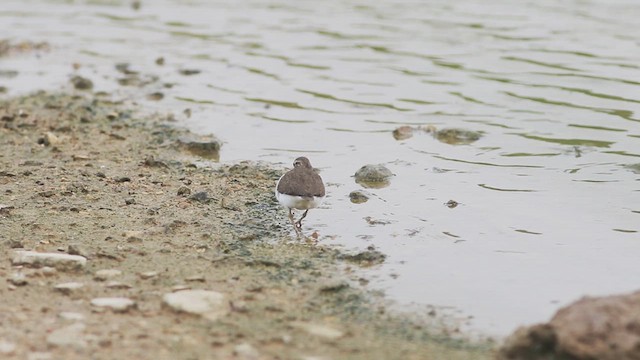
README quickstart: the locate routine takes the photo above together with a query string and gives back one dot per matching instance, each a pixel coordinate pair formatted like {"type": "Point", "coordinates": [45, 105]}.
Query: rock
{"type": "Point", "coordinates": [48, 271]}
{"type": "Point", "coordinates": [180, 287]}
{"type": "Point", "coordinates": [156, 96]}
{"type": "Point", "coordinates": [201, 196]}
{"type": "Point", "coordinates": [603, 328]}
{"type": "Point", "coordinates": [129, 201]}
{"type": "Point", "coordinates": [206, 147]}
{"type": "Point", "coordinates": [68, 288]}
{"type": "Point", "coordinates": [188, 72]}
{"type": "Point", "coordinates": [148, 275]}
{"type": "Point", "coordinates": [319, 330]}
{"type": "Point", "coordinates": [373, 176]}
{"type": "Point", "coordinates": [68, 336]}
{"type": "Point", "coordinates": [151, 161]}
{"type": "Point", "coordinates": [116, 304]}
{"type": "Point", "coordinates": [77, 249]}
{"type": "Point", "coordinates": [125, 68]}
{"type": "Point", "coordinates": [105, 274]}
{"type": "Point", "coordinates": [71, 316]}
{"type": "Point", "coordinates": [18, 279]}
{"type": "Point", "coordinates": [246, 351]}
{"type": "Point", "coordinates": [451, 204]}
{"type": "Point", "coordinates": [633, 167]}
{"type": "Point", "coordinates": [7, 348]}
{"type": "Point", "coordinates": [358, 197]}
{"type": "Point", "coordinates": [195, 278]}
{"type": "Point", "coordinates": [62, 262]}
{"type": "Point", "coordinates": [133, 235]}
{"type": "Point", "coordinates": [403, 133]}
{"type": "Point", "coordinates": [39, 356]}
{"type": "Point", "coordinates": [117, 285]}
{"type": "Point", "coordinates": [457, 136]}
{"type": "Point", "coordinates": [372, 221]}
{"type": "Point", "coordinates": [15, 244]}
{"type": "Point", "coordinates": [81, 83]}
{"type": "Point", "coordinates": [184, 191]}
{"type": "Point", "coordinates": [333, 286]}
{"type": "Point", "coordinates": [208, 304]}
{"type": "Point", "coordinates": [47, 193]}
{"type": "Point", "coordinates": [365, 258]}
{"type": "Point", "coordinates": [5, 209]}
{"type": "Point", "coordinates": [49, 139]}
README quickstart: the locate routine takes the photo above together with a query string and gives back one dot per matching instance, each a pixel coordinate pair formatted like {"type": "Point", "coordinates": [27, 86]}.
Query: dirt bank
{"type": "Point", "coordinates": [83, 176]}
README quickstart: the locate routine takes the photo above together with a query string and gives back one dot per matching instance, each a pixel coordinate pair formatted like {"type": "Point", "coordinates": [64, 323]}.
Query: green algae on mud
{"type": "Point", "coordinates": [87, 176]}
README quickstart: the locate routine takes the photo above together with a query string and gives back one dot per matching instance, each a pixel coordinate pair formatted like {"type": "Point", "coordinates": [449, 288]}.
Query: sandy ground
{"type": "Point", "coordinates": [85, 176]}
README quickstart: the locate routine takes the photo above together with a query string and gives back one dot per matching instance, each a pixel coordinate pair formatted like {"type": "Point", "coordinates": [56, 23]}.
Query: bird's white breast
{"type": "Point", "coordinates": [299, 202]}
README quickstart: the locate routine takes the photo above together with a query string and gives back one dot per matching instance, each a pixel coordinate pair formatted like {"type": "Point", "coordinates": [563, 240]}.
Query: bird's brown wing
{"type": "Point", "coordinates": [301, 183]}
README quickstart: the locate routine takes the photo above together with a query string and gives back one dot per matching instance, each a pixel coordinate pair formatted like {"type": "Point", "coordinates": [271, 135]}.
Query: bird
{"type": "Point", "coordinates": [300, 188]}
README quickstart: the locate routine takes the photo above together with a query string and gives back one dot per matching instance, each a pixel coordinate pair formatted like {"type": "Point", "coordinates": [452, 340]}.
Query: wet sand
{"type": "Point", "coordinates": [83, 175]}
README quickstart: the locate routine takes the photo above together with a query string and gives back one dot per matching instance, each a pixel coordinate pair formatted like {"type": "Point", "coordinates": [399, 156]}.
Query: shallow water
{"type": "Point", "coordinates": [549, 207]}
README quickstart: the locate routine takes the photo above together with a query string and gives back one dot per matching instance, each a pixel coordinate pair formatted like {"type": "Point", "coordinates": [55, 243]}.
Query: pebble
{"type": "Point", "coordinates": [188, 72]}
{"type": "Point", "coordinates": [156, 96]}
{"type": "Point", "coordinates": [148, 275]}
{"type": "Point", "coordinates": [13, 243]}
{"type": "Point", "coordinates": [68, 336]}
{"type": "Point", "coordinates": [48, 271]}
{"type": "Point", "coordinates": [195, 278]}
{"type": "Point", "coordinates": [62, 262]}
{"type": "Point", "coordinates": [333, 286]}
{"type": "Point", "coordinates": [49, 139]}
{"type": "Point", "coordinates": [7, 348]}
{"type": "Point", "coordinates": [133, 236]}
{"type": "Point", "coordinates": [18, 279]}
{"type": "Point", "coordinates": [68, 288]}
{"type": "Point", "coordinates": [81, 83]}
{"type": "Point", "coordinates": [206, 147]}
{"type": "Point", "coordinates": [117, 285]}
{"type": "Point", "coordinates": [403, 133]}
{"type": "Point", "coordinates": [201, 196]}
{"type": "Point", "coordinates": [369, 257]}
{"type": "Point", "coordinates": [319, 330]}
{"type": "Point", "coordinates": [208, 304]}
{"type": "Point", "coordinates": [71, 316]}
{"type": "Point", "coordinates": [116, 304]}
{"type": "Point", "coordinates": [457, 136]}
{"type": "Point", "coordinates": [358, 197]}
{"type": "Point", "coordinates": [77, 249]}
{"type": "Point", "coordinates": [246, 351]}
{"type": "Point", "coordinates": [184, 191]}
{"type": "Point", "coordinates": [180, 287]}
{"type": "Point", "coordinates": [39, 356]}
{"type": "Point", "coordinates": [105, 274]}
{"type": "Point", "coordinates": [451, 204]}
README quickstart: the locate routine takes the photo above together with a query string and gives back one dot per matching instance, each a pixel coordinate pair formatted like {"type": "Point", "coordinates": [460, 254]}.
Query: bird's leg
{"type": "Point", "coordinates": [299, 223]}
{"type": "Point", "coordinates": [293, 222]}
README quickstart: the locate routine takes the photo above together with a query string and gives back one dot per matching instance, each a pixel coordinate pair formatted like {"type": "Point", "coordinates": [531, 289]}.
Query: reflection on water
{"type": "Point", "coordinates": [548, 199]}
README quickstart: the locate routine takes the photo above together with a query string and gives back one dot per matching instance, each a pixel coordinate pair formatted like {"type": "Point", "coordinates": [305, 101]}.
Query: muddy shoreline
{"type": "Point", "coordinates": [83, 175]}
